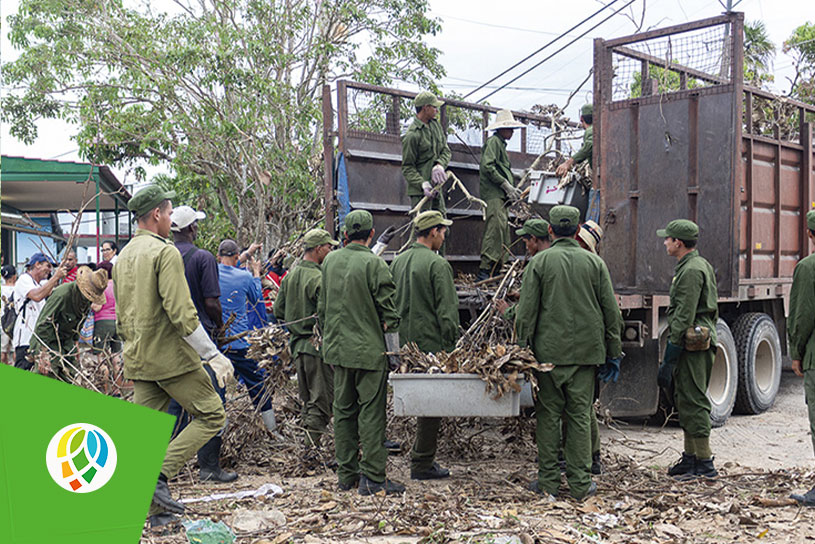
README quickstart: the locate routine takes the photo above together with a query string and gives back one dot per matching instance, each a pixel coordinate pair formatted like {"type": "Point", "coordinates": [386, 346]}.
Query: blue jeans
{"type": "Point", "coordinates": [182, 418]}
{"type": "Point", "coordinates": [248, 373]}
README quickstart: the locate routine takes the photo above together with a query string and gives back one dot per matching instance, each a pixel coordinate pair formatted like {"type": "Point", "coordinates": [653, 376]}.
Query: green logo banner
{"type": "Point", "coordinates": [75, 466]}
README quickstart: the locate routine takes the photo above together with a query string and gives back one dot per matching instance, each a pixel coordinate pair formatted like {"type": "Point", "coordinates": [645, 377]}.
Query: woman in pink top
{"type": "Point", "coordinates": [106, 342]}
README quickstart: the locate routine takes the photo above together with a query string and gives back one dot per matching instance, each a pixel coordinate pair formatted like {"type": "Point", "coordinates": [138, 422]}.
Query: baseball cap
{"type": "Point", "coordinates": [228, 248]}
{"type": "Point", "coordinates": [430, 219]}
{"type": "Point", "coordinates": [318, 237]}
{"type": "Point", "coordinates": [184, 216]}
{"type": "Point", "coordinates": [147, 199]}
{"type": "Point", "coordinates": [39, 257]}
{"type": "Point", "coordinates": [539, 228]}
{"type": "Point", "coordinates": [565, 216]}
{"type": "Point", "coordinates": [358, 221]}
{"type": "Point", "coordinates": [681, 229]}
{"type": "Point", "coordinates": [426, 98]}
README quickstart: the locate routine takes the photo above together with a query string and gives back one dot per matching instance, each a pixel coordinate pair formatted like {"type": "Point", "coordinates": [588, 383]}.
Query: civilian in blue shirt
{"type": "Point", "coordinates": [240, 288]}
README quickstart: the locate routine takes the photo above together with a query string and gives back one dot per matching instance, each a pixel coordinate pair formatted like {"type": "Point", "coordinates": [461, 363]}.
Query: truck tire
{"type": "Point", "coordinates": [759, 349]}
{"type": "Point", "coordinates": [724, 382]}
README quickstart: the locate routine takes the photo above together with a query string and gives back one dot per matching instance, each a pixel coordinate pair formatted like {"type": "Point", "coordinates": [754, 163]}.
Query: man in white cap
{"type": "Point", "coordinates": [201, 272]}
{"type": "Point", "coordinates": [497, 189]}
{"type": "Point", "coordinates": [425, 154]}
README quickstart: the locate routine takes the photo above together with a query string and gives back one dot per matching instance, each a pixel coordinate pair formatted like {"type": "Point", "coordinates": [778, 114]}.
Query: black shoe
{"type": "Point", "coordinates": [217, 475]}
{"type": "Point", "coordinates": [433, 473]}
{"type": "Point", "coordinates": [561, 461]}
{"type": "Point", "coordinates": [162, 518]}
{"type": "Point", "coordinates": [704, 468]}
{"type": "Point", "coordinates": [348, 486]}
{"type": "Point", "coordinates": [483, 274]}
{"type": "Point", "coordinates": [393, 447]}
{"type": "Point", "coordinates": [596, 465]}
{"type": "Point", "coordinates": [162, 497]}
{"type": "Point", "coordinates": [685, 465]}
{"type": "Point", "coordinates": [807, 499]}
{"type": "Point", "coordinates": [370, 487]}
{"type": "Point", "coordinates": [592, 490]}
{"type": "Point", "coordinates": [535, 488]}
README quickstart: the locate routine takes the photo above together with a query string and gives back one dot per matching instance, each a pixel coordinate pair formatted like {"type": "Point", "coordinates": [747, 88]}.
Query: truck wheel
{"type": "Point", "coordinates": [759, 349]}
{"type": "Point", "coordinates": [721, 390]}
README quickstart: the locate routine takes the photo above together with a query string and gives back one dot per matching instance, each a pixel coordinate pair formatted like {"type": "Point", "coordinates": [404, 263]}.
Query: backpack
{"type": "Point", "coordinates": [9, 317]}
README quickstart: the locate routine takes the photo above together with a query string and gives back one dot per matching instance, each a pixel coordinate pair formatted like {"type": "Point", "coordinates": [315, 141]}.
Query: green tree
{"type": "Point", "coordinates": [759, 52]}
{"type": "Point", "coordinates": [801, 47]}
{"type": "Point", "coordinates": [225, 91]}
{"type": "Point", "coordinates": [667, 81]}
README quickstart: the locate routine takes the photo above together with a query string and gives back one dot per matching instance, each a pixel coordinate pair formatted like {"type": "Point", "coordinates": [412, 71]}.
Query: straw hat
{"type": "Point", "coordinates": [591, 233]}
{"type": "Point", "coordinates": [92, 284]}
{"type": "Point", "coordinates": [504, 119]}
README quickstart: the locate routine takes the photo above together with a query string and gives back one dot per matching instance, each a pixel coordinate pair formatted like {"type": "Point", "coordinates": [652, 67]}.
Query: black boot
{"type": "Point", "coordinates": [686, 465]}
{"type": "Point", "coordinates": [162, 518]}
{"type": "Point", "coordinates": [704, 468]}
{"type": "Point", "coordinates": [435, 472]}
{"type": "Point", "coordinates": [596, 465]}
{"type": "Point", "coordinates": [807, 499]}
{"type": "Point", "coordinates": [162, 497]}
{"type": "Point", "coordinates": [209, 461]}
{"type": "Point", "coordinates": [370, 487]}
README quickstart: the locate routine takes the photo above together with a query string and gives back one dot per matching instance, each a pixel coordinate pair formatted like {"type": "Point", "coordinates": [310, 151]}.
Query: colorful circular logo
{"type": "Point", "coordinates": [81, 458]}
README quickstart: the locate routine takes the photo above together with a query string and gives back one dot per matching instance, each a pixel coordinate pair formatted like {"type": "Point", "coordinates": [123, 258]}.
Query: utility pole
{"type": "Point", "coordinates": [723, 70]}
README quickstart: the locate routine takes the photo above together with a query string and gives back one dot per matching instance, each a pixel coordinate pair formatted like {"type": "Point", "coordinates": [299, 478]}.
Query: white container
{"type": "Point", "coordinates": [544, 190]}
{"type": "Point", "coordinates": [449, 395]}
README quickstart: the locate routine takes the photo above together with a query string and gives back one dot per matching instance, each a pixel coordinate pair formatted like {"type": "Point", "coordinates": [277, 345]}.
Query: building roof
{"type": "Point", "coordinates": [38, 185]}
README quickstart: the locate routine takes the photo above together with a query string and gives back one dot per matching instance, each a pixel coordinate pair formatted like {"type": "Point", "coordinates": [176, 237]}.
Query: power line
{"type": "Point", "coordinates": [492, 25]}
{"type": "Point", "coordinates": [541, 49]}
{"type": "Point", "coordinates": [516, 78]}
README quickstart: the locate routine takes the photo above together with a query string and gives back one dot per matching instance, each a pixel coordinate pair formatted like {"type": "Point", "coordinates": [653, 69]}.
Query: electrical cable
{"type": "Point", "coordinates": [516, 78]}
{"type": "Point", "coordinates": [542, 48]}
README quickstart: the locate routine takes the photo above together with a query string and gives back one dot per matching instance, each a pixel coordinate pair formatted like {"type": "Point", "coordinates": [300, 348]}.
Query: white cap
{"type": "Point", "coordinates": [184, 216]}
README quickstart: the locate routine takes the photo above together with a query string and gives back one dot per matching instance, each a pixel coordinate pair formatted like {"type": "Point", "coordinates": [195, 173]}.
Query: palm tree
{"type": "Point", "coordinates": [759, 53]}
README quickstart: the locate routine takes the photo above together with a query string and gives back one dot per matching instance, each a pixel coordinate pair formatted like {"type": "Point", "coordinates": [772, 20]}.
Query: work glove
{"type": "Point", "coordinates": [665, 375]}
{"type": "Point", "coordinates": [392, 347]}
{"type": "Point", "coordinates": [383, 240]}
{"type": "Point", "coordinates": [222, 366]}
{"type": "Point", "coordinates": [511, 191]}
{"type": "Point", "coordinates": [610, 372]}
{"type": "Point", "coordinates": [438, 175]}
{"type": "Point", "coordinates": [428, 190]}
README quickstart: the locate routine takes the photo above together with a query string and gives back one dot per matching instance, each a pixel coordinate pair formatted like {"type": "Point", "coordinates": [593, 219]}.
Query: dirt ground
{"type": "Point", "coordinates": [761, 460]}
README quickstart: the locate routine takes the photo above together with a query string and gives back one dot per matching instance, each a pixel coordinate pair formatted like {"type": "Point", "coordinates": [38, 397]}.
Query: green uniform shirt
{"type": "Point", "coordinates": [357, 296]}
{"type": "Point", "coordinates": [584, 153]}
{"type": "Point", "coordinates": [694, 300]}
{"type": "Point", "coordinates": [426, 299]}
{"type": "Point", "coordinates": [802, 313]}
{"type": "Point", "coordinates": [154, 310]}
{"type": "Point", "coordinates": [424, 145]}
{"type": "Point", "coordinates": [567, 312]}
{"type": "Point", "coordinates": [494, 169]}
{"type": "Point", "coordinates": [296, 300]}
{"type": "Point", "coordinates": [61, 319]}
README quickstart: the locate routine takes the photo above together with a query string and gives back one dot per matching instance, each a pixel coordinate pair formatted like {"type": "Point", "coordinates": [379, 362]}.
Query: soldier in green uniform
{"type": "Point", "coordinates": [497, 189]}
{"type": "Point", "coordinates": [296, 301]}
{"type": "Point", "coordinates": [568, 315]}
{"type": "Point", "coordinates": [62, 317]}
{"type": "Point", "coordinates": [427, 303]}
{"type": "Point", "coordinates": [585, 151]}
{"type": "Point", "coordinates": [687, 361]}
{"type": "Point", "coordinates": [356, 310]}
{"type": "Point", "coordinates": [425, 155]}
{"type": "Point", "coordinates": [802, 337]}
{"type": "Point", "coordinates": [164, 343]}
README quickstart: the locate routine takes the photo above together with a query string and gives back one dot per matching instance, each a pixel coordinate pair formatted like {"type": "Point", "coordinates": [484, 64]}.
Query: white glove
{"type": "Point", "coordinates": [202, 343]}
{"type": "Point", "coordinates": [428, 189]}
{"type": "Point", "coordinates": [438, 175]}
{"type": "Point", "coordinates": [511, 191]}
{"type": "Point", "coordinates": [222, 366]}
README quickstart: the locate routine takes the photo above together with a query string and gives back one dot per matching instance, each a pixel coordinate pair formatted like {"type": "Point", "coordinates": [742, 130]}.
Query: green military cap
{"type": "Point", "coordinates": [539, 228]}
{"type": "Point", "coordinates": [358, 221]}
{"type": "Point", "coordinates": [430, 219]}
{"type": "Point", "coordinates": [425, 98]}
{"type": "Point", "coordinates": [147, 199]}
{"type": "Point", "coordinates": [565, 216]}
{"type": "Point", "coordinates": [681, 229]}
{"type": "Point", "coordinates": [318, 237]}
{"type": "Point", "coordinates": [811, 219]}
{"type": "Point", "coordinates": [587, 109]}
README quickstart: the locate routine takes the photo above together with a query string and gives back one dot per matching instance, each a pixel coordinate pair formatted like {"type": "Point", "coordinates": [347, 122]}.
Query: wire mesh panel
{"type": "Point", "coordinates": [687, 60]}
{"type": "Point", "coordinates": [372, 112]}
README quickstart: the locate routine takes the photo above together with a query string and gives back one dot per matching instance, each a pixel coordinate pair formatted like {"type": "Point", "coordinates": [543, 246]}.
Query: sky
{"type": "Point", "coordinates": [479, 39]}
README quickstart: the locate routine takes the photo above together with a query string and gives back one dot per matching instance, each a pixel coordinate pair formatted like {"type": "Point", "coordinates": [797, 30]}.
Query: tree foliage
{"type": "Point", "coordinates": [225, 91]}
{"type": "Point", "coordinates": [801, 47]}
{"type": "Point", "coordinates": [759, 52]}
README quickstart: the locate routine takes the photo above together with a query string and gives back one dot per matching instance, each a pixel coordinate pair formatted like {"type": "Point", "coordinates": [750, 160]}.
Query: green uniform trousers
{"type": "Point", "coordinates": [359, 419]}
{"type": "Point", "coordinates": [427, 440]}
{"type": "Point", "coordinates": [565, 392]}
{"type": "Point", "coordinates": [809, 395]}
{"type": "Point", "coordinates": [691, 378]}
{"type": "Point", "coordinates": [194, 392]}
{"type": "Point", "coordinates": [315, 381]}
{"type": "Point", "coordinates": [496, 235]}
{"type": "Point", "coordinates": [595, 431]}
{"type": "Point", "coordinates": [435, 204]}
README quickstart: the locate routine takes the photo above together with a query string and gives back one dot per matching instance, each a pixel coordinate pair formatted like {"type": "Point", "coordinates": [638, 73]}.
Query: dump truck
{"type": "Point", "coordinates": [677, 134]}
